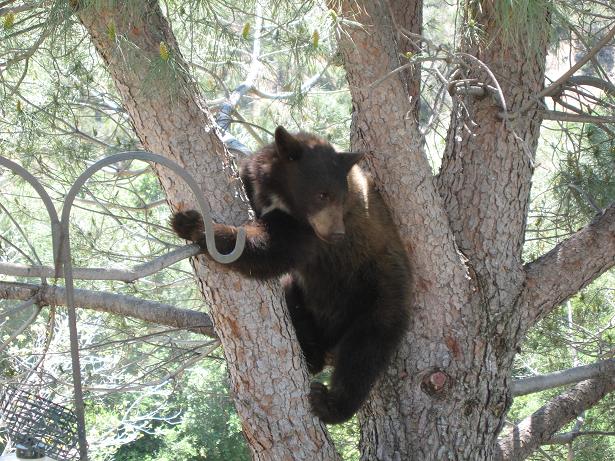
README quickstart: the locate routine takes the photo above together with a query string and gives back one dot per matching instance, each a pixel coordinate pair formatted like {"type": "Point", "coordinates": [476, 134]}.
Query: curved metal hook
{"type": "Point", "coordinates": [57, 240]}
{"type": "Point", "coordinates": [51, 210]}
{"type": "Point", "coordinates": [148, 156]}
{"type": "Point", "coordinates": [60, 237]}
{"type": "Point", "coordinates": [65, 258]}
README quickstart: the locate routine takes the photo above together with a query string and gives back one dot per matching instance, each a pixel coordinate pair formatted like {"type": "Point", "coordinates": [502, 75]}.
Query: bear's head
{"type": "Point", "coordinates": [314, 181]}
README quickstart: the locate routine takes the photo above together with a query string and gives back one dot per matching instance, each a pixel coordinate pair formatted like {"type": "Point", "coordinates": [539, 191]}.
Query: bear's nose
{"type": "Point", "coordinates": [338, 236]}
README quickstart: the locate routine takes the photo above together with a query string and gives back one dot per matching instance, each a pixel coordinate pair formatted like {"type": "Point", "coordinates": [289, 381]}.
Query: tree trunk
{"type": "Point", "coordinates": [446, 395]}
{"type": "Point", "coordinates": [268, 377]}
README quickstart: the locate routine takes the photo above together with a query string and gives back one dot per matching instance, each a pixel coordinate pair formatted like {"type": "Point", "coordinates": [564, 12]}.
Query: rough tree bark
{"type": "Point", "coordinates": [408, 16]}
{"type": "Point", "coordinates": [447, 394]}
{"type": "Point", "coordinates": [269, 382]}
{"type": "Point", "coordinates": [406, 418]}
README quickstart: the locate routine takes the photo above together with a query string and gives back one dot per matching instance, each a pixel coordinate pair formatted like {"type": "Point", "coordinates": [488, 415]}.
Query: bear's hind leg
{"type": "Point", "coordinates": [305, 326]}
{"type": "Point", "coordinates": [362, 354]}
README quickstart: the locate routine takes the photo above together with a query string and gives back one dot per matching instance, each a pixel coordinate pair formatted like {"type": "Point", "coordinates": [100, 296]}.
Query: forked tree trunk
{"type": "Point", "coordinates": [447, 394]}
{"type": "Point", "coordinates": [268, 377]}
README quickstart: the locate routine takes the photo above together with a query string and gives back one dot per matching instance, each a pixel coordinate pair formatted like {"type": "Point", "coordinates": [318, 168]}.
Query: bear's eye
{"type": "Point", "coordinates": [323, 196]}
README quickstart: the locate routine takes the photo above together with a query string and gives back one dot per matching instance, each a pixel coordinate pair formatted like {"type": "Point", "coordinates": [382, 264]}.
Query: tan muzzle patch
{"type": "Point", "coordinates": [328, 223]}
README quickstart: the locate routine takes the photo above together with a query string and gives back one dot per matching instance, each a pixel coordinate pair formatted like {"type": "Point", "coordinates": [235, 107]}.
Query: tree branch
{"type": "Point", "coordinates": [557, 84]}
{"type": "Point", "coordinates": [567, 437]}
{"type": "Point", "coordinates": [223, 118]}
{"type": "Point", "coordinates": [596, 82]}
{"type": "Point", "coordinates": [94, 273]}
{"type": "Point", "coordinates": [19, 8]}
{"type": "Point", "coordinates": [561, 378]}
{"type": "Point", "coordinates": [570, 266]}
{"type": "Point", "coordinates": [305, 87]}
{"type": "Point", "coordinates": [579, 118]}
{"type": "Point", "coordinates": [536, 429]}
{"type": "Point", "coordinates": [144, 207]}
{"type": "Point", "coordinates": [128, 306]}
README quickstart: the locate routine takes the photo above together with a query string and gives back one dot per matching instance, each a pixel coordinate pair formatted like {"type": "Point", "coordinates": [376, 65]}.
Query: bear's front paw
{"type": "Point", "coordinates": [188, 224]}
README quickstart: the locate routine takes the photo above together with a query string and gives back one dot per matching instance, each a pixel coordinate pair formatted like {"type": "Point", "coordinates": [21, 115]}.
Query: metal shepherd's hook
{"type": "Point", "coordinates": [62, 255]}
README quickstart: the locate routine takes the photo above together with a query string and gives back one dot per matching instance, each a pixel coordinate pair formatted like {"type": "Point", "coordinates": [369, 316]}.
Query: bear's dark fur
{"type": "Point", "coordinates": [322, 226]}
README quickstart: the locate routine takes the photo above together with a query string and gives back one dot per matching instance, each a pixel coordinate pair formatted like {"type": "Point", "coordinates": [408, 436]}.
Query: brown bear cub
{"type": "Point", "coordinates": [322, 226]}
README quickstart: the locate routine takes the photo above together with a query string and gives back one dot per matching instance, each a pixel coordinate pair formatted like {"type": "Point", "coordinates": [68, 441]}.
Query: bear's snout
{"type": "Point", "coordinates": [328, 223]}
{"type": "Point", "coordinates": [338, 237]}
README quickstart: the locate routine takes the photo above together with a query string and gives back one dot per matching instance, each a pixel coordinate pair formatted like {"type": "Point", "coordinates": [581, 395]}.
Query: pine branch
{"type": "Point", "coordinates": [561, 378]}
{"type": "Point", "coordinates": [535, 430]}
{"type": "Point", "coordinates": [17, 8]}
{"type": "Point", "coordinates": [567, 437]}
{"type": "Point", "coordinates": [223, 119]}
{"type": "Point", "coordinates": [305, 87]}
{"type": "Point", "coordinates": [587, 80]}
{"type": "Point", "coordinates": [561, 81]}
{"type": "Point", "coordinates": [570, 266]}
{"type": "Point", "coordinates": [94, 273]}
{"type": "Point", "coordinates": [578, 118]}
{"type": "Point", "coordinates": [128, 306]}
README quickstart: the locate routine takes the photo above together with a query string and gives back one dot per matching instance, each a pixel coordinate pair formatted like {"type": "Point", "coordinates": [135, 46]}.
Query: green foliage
{"type": "Point", "coordinates": [522, 24]}
{"type": "Point", "coordinates": [557, 344]}
{"type": "Point", "coordinates": [523, 21]}
{"type": "Point", "coordinates": [585, 183]}
{"type": "Point", "coordinates": [8, 21]}
{"type": "Point", "coordinates": [346, 437]}
{"type": "Point", "coordinates": [209, 428]}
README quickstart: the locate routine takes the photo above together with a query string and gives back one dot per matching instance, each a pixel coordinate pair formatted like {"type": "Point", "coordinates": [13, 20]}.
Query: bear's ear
{"type": "Point", "coordinates": [348, 159]}
{"type": "Point", "coordinates": [288, 147]}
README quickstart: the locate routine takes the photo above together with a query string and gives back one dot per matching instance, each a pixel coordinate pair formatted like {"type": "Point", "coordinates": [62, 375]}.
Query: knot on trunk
{"type": "Point", "coordinates": [435, 383]}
